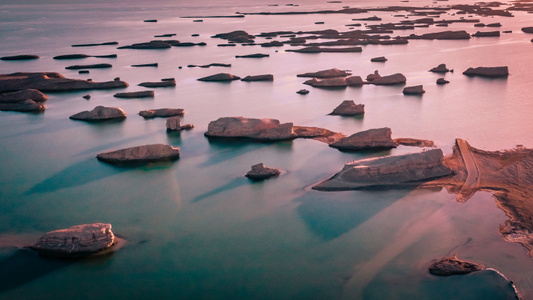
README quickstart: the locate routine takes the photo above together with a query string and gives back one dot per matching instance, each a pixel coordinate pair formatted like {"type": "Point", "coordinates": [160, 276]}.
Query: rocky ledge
{"type": "Point", "coordinates": [379, 138]}
{"type": "Point", "coordinates": [140, 154]}
{"type": "Point", "coordinates": [100, 113]}
{"type": "Point", "coordinates": [76, 241]}
{"type": "Point", "coordinates": [452, 266]}
{"type": "Point", "coordinates": [257, 129]}
{"type": "Point", "coordinates": [260, 172]}
{"type": "Point", "coordinates": [161, 112]}
{"type": "Point", "coordinates": [23, 101]}
{"type": "Point", "coordinates": [491, 72]}
{"type": "Point", "coordinates": [52, 82]}
{"type": "Point", "coordinates": [402, 170]}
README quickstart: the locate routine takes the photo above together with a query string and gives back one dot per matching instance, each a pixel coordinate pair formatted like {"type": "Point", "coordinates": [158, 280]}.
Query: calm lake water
{"type": "Point", "coordinates": [197, 228]}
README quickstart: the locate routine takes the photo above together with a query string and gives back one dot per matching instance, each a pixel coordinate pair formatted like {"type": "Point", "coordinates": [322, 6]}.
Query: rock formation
{"type": "Point", "coordinates": [20, 57]}
{"type": "Point", "coordinates": [330, 73]}
{"type": "Point", "coordinates": [378, 59]}
{"type": "Point", "coordinates": [303, 92]}
{"type": "Point", "coordinates": [256, 55]}
{"type": "Point", "coordinates": [402, 170]}
{"type": "Point", "coordinates": [379, 138]}
{"type": "Point", "coordinates": [22, 95]}
{"type": "Point", "coordinates": [444, 35]}
{"type": "Point", "coordinates": [354, 81]}
{"type": "Point", "coordinates": [148, 45]}
{"type": "Point", "coordinates": [140, 94]}
{"type": "Point", "coordinates": [140, 154]}
{"type": "Point", "coordinates": [441, 81]}
{"type": "Point", "coordinates": [491, 72]}
{"type": "Point", "coordinates": [76, 241]}
{"type": "Point", "coordinates": [174, 124]}
{"type": "Point", "coordinates": [146, 65]}
{"type": "Point", "coordinates": [257, 129]}
{"type": "Point", "coordinates": [51, 82]}
{"type": "Point", "coordinates": [316, 49]}
{"type": "Point", "coordinates": [452, 266]}
{"type": "Point", "coordinates": [100, 113]}
{"type": "Point", "coordinates": [260, 172]}
{"type": "Point", "coordinates": [527, 29]}
{"type": "Point", "coordinates": [413, 90]}
{"type": "Point", "coordinates": [170, 82]}
{"type": "Point", "coordinates": [80, 56]}
{"type": "Point", "coordinates": [348, 108]}
{"type": "Point", "coordinates": [337, 82]}
{"type": "Point", "coordinates": [440, 69]}
{"type": "Point", "coordinates": [220, 77]}
{"type": "Point", "coordinates": [96, 44]}
{"type": "Point", "coordinates": [162, 113]}
{"type": "Point", "coordinates": [265, 77]}
{"type": "Point", "coordinates": [486, 34]}
{"type": "Point", "coordinates": [93, 66]}
{"type": "Point", "coordinates": [396, 78]}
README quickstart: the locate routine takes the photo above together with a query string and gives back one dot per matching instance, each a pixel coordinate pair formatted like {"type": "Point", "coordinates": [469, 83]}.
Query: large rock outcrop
{"type": "Point", "coordinates": [23, 101]}
{"type": "Point", "coordinates": [452, 266]}
{"type": "Point", "coordinates": [402, 170]}
{"type": "Point", "coordinates": [379, 138]}
{"type": "Point", "coordinates": [140, 154]}
{"type": "Point", "coordinates": [348, 108]}
{"type": "Point", "coordinates": [76, 241]}
{"type": "Point", "coordinates": [100, 113]}
{"type": "Point", "coordinates": [490, 72]}
{"type": "Point", "coordinates": [260, 172]}
{"type": "Point", "coordinates": [52, 82]}
{"type": "Point", "coordinates": [257, 129]}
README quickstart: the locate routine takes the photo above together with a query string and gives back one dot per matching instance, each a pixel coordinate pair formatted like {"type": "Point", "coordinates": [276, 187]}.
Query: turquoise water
{"type": "Point", "coordinates": [197, 228]}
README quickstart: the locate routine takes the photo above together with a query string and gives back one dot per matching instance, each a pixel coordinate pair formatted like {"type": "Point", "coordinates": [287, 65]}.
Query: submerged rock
{"type": "Point", "coordinates": [76, 241]}
{"type": "Point", "coordinates": [162, 113]}
{"type": "Point", "coordinates": [140, 154]}
{"type": "Point", "coordinates": [257, 129]}
{"type": "Point", "coordinates": [379, 138]}
{"type": "Point", "coordinates": [452, 266]}
{"type": "Point", "coordinates": [100, 113]}
{"type": "Point", "coordinates": [348, 108]}
{"type": "Point", "coordinates": [303, 92]}
{"type": "Point", "coordinates": [220, 77]}
{"type": "Point", "coordinates": [413, 90]}
{"type": "Point", "coordinates": [330, 73]}
{"type": "Point", "coordinates": [491, 72]}
{"type": "Point", "coordinates": [260, 172]}
{"type": "Point", "coordinates": [402, 170]}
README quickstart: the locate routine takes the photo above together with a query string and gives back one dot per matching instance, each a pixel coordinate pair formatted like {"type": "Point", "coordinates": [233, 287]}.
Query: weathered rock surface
{"type": "Point", "coordinates": [260, 172]}
{"type": "Point", "coordinates": [174, 124]}
{"type": "Point", "coordinates": [237, 36]}
{"type": "Point", "coordinates": [396, 78]}
{"type": "Point", "coordinates": [354, 81]}
{"type": "Point", "coordinates": [23, 106]}
{"type": "Point", "coordinates": [20, 57]}
{"type": "Point", "coordinates": [402, 170]}
{"type": "Point", "coordinates": [348, 108]}
{"type": "Point", "coordinates": [171, 82]}
{"type": "Point", "coordinates": [220, 77]}
{"type": "Point", "coordinates": [413, 90]}
{"type": "Point", "coordinates": [337, 82]}
{"type": "Point", "coordinates": [265, 77]}
{"type": "Point", "coordinates": [93, 66]}
{"type": "Point", "coordinates": [258, 129]}
{"type": "Point", "coordinates": [100, 113]}
{"type": "Point", "coordinates": [52, 82]}
{"type": "Point", "coordinates": [140, 154]}
{"type": "Point", "coordinates": [129, 95]}
{"type": "Point", "coordinates": [491, 72]}
{"type": "Point", "coordinates": [23, 95]}
{"type": "Point", "coordinates": [162, 113]}
{"type": "Point", "coordinates": [414, 142]}
{"type": "Point", "coordinates": [452, 266]}
{"type": "Point", "coordinates": [76, 241]}
{"type": "Point", "coordinates": [440, 69]}
{"type": "Point", "coordinates": [303, 92]}
{"type": "Point", "coordinates": [317, 49]}
{"type": "Point", "coordinates": [330, 73]}
{"type": "Point", "coordinates": [379, 138]}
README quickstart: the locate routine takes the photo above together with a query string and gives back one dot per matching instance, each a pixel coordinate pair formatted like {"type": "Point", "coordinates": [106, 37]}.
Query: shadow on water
{"type": "Point", "coordinates": [229, 148]}
{"type": "Point", "coordinates": [331, 214]}
{"type": "Point", "coordinates": [81, 173]}
{"type": "Point", "coordinates": [237, 182]}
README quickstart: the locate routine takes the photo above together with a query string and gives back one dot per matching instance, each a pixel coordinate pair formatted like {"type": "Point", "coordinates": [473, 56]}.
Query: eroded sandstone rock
{"type": "Point", "coordinates": [330, 73]}
{"type": "Point", "coordinates": [100, 113]}
{"type": "Point", "coordinates": [379, 138]}
{"type": "Point", "coordinates": [260, 172]}
{"type": "Point", "coordinates": [452, 266]}
{"type": "Point", "coordinates": [491, 72]}
{"type": "Point", "coordinates": [161, 112]}
{"type": "Point", "coordinates": [258, 129]}
{"type": "Point", "coordinates": [220, 77]}
{"type": "Point", "coordinates": [348, 108]}
{"type": "Point", "coordinates": [140, 154]}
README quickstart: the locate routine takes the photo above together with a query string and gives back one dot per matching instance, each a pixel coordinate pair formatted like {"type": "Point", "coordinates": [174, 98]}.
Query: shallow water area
{"type": "Point", "coordinates": [197, 228]}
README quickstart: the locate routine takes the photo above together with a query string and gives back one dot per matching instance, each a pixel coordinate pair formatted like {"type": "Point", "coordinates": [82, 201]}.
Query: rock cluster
{"type": "Point", "coordinates": [379, 138]}
{"type": "Point", "coordinates": [257, 129]}
{"type": "Point", "coordinates": [100, 113]}
{"type": "Point", "coordinates": [140, 154]}
{"type": "Point", "coordinates": [76, 241]}
{"type": "Point", "coordinates": [402, 170]}
{"type": "Point", "coordinates": [260, 172]}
